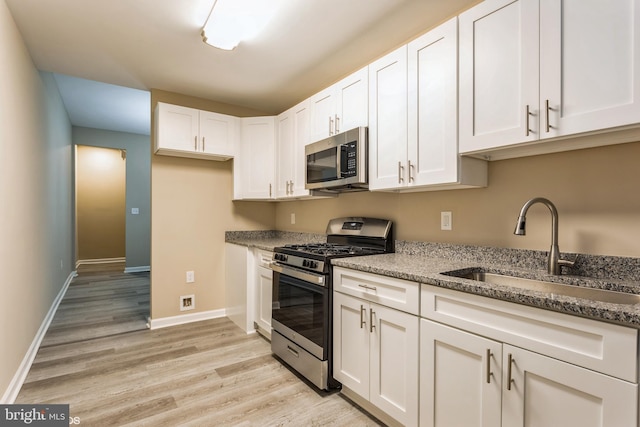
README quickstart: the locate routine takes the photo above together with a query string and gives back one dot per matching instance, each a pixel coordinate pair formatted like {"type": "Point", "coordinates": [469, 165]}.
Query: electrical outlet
{"type": "Point", "coordinates": [293, 218]}
{"type": "Point", "coordinates": [445, 221]}
{"type": "Point", "coordinates": [191, 277]}
{"type": "Point", "coordinates": [187, 302]}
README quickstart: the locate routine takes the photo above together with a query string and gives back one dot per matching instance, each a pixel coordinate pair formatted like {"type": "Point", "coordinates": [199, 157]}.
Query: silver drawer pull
{"type": "Point", "coordinates": [292, 351]}
{"type": "Point", "coordinates": [372, 288]}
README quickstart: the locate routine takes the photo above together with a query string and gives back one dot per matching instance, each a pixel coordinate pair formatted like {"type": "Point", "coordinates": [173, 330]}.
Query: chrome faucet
{"type": "Point", "coordinates": [553, 262]}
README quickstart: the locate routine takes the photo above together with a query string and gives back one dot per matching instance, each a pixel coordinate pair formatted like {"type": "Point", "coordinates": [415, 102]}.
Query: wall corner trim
{"type": "Point", "coordinates": [12, 391]}
{"type": "Point", "coordinates": [165, 322]}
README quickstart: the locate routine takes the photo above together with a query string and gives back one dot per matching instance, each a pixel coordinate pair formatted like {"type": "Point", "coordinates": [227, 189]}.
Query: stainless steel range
{"type": "Point", "coordinates": [302, 318]}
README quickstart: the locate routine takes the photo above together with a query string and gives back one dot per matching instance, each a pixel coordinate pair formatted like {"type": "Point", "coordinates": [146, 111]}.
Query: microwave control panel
{"type": "Point", "coordinates": [348, 159]}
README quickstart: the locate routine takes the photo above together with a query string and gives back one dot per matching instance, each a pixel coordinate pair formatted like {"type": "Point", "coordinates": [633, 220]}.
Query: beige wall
{"type": "Point", "coordinates": [595, 191]}
{"type": "Point", "coordinates": [191, 209]}
{"type": "Point", "coordinates": [36, 214]}
{"type": "Point", "coordinates": [100, 202]}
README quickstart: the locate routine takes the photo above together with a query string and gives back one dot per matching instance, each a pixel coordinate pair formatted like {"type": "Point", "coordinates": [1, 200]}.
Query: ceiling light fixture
{"type": "Point", "coordinates": [231, 21]}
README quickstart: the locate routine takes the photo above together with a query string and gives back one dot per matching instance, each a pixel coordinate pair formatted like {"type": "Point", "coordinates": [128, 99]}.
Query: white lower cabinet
{"type": "Point", "coordinates": [376, 356]}
{"type": "Point", "coordinates": [460, 378]}
{"type": "Point", "coordinates": [467, 379]}
{"type": "Point", "coordinates": [548, 392]}
{"type": "Point", "coordinates": [263, 282]}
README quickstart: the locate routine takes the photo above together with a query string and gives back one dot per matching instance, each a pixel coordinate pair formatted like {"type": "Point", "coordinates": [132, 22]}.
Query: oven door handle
{"type": "Point", "coordinates": [299, 274]}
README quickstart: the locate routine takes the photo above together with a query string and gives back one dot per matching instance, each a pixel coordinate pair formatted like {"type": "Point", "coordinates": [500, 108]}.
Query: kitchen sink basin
{"type": "Point", "coordinates": [594, 294]}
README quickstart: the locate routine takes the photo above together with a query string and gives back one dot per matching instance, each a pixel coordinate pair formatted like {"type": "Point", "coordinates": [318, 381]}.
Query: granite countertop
{"type": "Point", "coordinates": [424, 262]}
{"type": "Point", "coordinates": [426, 269]}
{"type": "Point", "coordinates": [270, 239]}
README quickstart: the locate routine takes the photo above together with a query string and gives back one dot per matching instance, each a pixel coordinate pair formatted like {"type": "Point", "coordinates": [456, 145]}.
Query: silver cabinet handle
{"type": "Point", "coordinates": [488, 356]}
{"type": "Point", "coordinates": [400, 173]}
{"type": "Point", "coordinates": [528, 113]}
{"type": "Point", "coordinates": [195, 143]}
{"type": "Point", "coordinates": [330, 125]}
{"type": "Point", "coordinates": [293, 351]}
{"type": "Point", "coordinates": [362, 321]}
{"type": "Point", "coordinates": [372, 326]}
{"type": "Point", "coordinates": [410, 167]}
{"type": "Point", "coordinates": [546, 114]}
{"type": "Point", "coordinates": [269, 189]}
{"type": "Point", "coordinates": [203, 145]}
{"type": "Point", "coordinates": [510, 362]}
{"type": "Point", "coordinates": [372, 288]}
{"type": "Point", "coordinates": [337, 129]}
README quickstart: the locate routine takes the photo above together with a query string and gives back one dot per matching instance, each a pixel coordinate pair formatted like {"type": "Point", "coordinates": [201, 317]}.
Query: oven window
{"type": "Point", "coordinates": [322, 166]}
{"type": "Point", "coordinates": [301, 307]}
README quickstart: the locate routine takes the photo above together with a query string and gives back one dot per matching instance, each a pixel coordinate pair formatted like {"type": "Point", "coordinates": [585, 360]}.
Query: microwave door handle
{"type": "Point", "coordinates": [339, 161]}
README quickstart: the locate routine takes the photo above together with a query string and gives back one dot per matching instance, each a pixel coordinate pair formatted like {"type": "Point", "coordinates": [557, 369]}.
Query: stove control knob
{"type": "Point", "coordinates": [306, 263]}
{"type": "Point", "coordinates": [313, 264]}
{"type": "Point", "coordinates": [280, 257]}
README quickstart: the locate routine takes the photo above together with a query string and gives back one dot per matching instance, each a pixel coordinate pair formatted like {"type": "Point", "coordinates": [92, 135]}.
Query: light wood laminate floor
{"type": "Point", "coordinates": [99, 357]}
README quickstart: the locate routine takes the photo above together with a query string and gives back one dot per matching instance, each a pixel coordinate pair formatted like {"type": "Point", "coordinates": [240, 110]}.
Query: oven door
{"type": "Point", "coordinates": [301, 308]}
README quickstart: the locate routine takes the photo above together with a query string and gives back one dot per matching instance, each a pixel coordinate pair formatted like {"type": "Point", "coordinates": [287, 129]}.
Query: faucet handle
{"type": "Point", "coordinates": [567, 263]}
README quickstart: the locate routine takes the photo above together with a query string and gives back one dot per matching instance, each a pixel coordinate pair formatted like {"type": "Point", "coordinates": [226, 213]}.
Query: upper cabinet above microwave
{"type": "Point", "coordinates": [340, 107]}
{"type": "Point", "coordinates": [413, 127]}
{"type": "Point", "coordinates": [532, 70]}
{"type": "Point", "coordinates": [187, 132]}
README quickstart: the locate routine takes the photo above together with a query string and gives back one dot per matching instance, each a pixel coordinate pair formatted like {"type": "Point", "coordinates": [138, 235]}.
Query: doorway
{"type": "Point", "coordinates": [100, 208]}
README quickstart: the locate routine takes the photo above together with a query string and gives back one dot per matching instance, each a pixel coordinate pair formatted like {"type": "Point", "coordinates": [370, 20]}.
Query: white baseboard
{"type": "Point", "coordinates": [21, 374]}
{"type": "Point", "coordinates": [138, 269]}
{"type": "Point", "coordinates": [164, 322]}
{"type": "Point", "coordinates": [96, 261]}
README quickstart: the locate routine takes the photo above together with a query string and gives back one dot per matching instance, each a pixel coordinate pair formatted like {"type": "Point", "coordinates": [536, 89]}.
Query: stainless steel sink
{"type": "Point", "coordinates": [550, 287]}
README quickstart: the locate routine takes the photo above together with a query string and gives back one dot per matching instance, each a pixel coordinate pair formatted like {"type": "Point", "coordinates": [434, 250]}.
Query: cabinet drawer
{"type": "Point", "coordinates": [602, 347]}
{"type": "Point", "coordinates": [395, 293]}
{"type": "Point", "coordinates": [262, 257]}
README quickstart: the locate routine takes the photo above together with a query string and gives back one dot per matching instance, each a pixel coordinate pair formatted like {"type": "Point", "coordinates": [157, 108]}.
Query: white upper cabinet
{"type": "Point", "coordinates": [388, 120]}
{"type": "Point", "coordinates": [292, 136]}
{"type": "Point", "coordinates": [254, 170]}
{"type": "Point", "coordinates": [589, 65]}
{"type": "Point", "coordinates": [537, 69]}
{"type": "Point", "coordinates": [340, 107]}
{"type": "Point", "coordinates": [188, 132]}
{"type": "Point", "coordinates": [498, 74]}
{"type": "Point", "coordinates": [413, 132]}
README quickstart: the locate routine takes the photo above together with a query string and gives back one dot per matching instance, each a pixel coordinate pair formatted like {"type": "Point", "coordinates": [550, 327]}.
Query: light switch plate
{"type": "Point", "coordinates": [135, 211]}
{"type": "Point", "coordinates": [191, 277]}
{"type": "Point", "coordinates": [445, 221]}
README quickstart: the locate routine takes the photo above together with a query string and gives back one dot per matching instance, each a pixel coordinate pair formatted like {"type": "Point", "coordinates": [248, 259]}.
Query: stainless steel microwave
{"type": "Point", "coordinates": [338, 163]}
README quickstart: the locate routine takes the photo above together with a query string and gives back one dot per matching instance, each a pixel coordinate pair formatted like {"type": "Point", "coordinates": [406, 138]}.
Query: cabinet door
{"type": "Point", "coordinates": [388, 121]}
{"type": "Point", "coordinates": [218, 134]}
{"type": "Point", "coordinates": [547, 392]}
{"type": "Point", "coordinates": [323, 108]}
{"type": "Point", "coordinates": [460, 378]}
{"type": "Point", "coordinates": [433, 106]}
{"type": "Point", "coordinates": [284, 156]}
{"type": "Point", "coordinates": [394, 363]}
{"type": "Point", "coordinates": [257, 160]}
{"type": "Point", "coordinates": [498, 74]}
{"type": "Point", "coordinates": [352, 95]}
{"type": "Point", "coordinates": [177, 128]}
{"type": "Point", "coordinates": [351, 343]}
{"type": "Point", "coordinates": [301, 116]}
{"type": "Point", "coordinates": [264, 289]}
{"type": "Point", "coordinates": [589, 60]}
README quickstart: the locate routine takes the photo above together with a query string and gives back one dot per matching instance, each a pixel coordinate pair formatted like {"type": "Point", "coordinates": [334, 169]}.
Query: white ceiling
{"type": "Point", "coordinates": [156, 44]}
